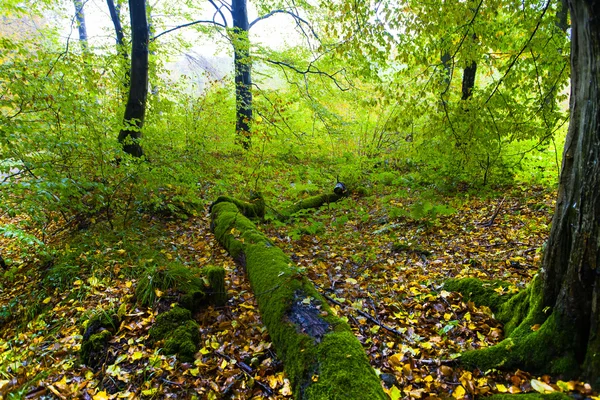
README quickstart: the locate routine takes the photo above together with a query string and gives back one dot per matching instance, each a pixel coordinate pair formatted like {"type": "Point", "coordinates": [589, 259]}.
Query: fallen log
{"type": "Point", "coordinates": [321, 356]}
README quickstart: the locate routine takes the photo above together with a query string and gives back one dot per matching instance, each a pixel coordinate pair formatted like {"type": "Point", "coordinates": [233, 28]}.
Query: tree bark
{"type": "Point", "coordinates": [321, 356]}
{"type": "Point", "coordinates": [243, 76]}
{"type": "Point", "coordinates": [468, 82]}
{"type": "Point", "coordinates": [571, 264]}
{"type": "Point", "coordinates": [138, 90]}
{"type": "Point", "coordinates": [80, 17]}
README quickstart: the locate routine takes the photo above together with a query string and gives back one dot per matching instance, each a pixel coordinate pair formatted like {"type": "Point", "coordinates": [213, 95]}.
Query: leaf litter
{"type": "Point", "coordinates": [381, 273]}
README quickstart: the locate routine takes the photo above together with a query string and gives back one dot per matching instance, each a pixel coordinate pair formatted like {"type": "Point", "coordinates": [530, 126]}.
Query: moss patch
{"type": "Point", "coordinates": [180, 332]}
{"type": "Point", "coordinates": [328, 363]}
{"type": "Point", "coordinates": [546, 349]}
{"type": "Point", "coordinates": [478, 291]}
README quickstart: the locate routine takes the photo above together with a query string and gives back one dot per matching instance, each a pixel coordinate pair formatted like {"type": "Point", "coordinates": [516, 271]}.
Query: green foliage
{"type": "Point", "coordinates": [180, 332]}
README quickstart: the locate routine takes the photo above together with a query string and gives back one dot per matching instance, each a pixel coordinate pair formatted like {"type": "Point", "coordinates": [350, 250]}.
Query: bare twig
{"type": "Point", "coordinates": [186, 25]}
{"type": "Point", "coordinates": [248, 371]}
{"type": "Point", "coordinates": [498, 208]}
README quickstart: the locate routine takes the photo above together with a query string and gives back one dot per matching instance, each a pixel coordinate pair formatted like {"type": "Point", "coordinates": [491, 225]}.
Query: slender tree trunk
{"type": "Point", "coordinates": [80, 17]}
{"type": "Point", "coordinates": [138, 90]}
{"type": "Point", "coordinates": [468, 82]}
{"type": "Point", "coordinates": [243, 77]}
{"type": "Point", "coordinates": [116, 20]}
{"type": "Point", "coordinates": [115, 16]}
{"type": "Point", "coordinates": [571, 265]}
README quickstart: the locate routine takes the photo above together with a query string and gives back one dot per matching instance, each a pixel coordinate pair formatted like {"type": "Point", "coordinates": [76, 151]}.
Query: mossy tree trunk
{"type": "Point", "coordinates": [243, 72]}
{"type": "Point", "coordinates": [320, 354]}
{"type": "Point", "coordinates": [571, 264]}
{"type": "Point", "coordinates": [565, 298]}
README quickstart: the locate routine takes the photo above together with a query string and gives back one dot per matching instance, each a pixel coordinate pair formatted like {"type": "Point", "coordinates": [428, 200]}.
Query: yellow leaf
{"type": "Point", "coordinates": [128, 284]}
{"type": "Point", "coordinates": [447, 316]}
{"type": "Point", "coordinates": [541, 387]}
{"type": "Point", "coordinates": [395, 360]}
{"type": "Point", "coordinates": [137, 355]}
{"type": "Point", "coordinates": [101, 396]}
{"type": "Point", "coordinates": [501, 388]}
{"type": "Point", "coordinates": [536, 327]}
{"type": "Point", "coordinates": [224, 364]}
{"type": "Point", "coordinates": [194, 371]}
{"type": "Point", "coordinates": [47, 300]}
{"type": "Point", "coordinates": [89, 375]}
{"type": "Point", "coordinates": [459, 392]}
{"type": "Point", "coordinates": [121, 251]}
{"type": "Point", "coordinates": [149, 392]}
{"type": "Point", "coordinates": [351, 281]}
{"type": "Point", "coordinates": [77, 282]}
{"type": "Point", "coordinates": [394, 393]}
{"type": "Point", "coordinates": [158, 292]}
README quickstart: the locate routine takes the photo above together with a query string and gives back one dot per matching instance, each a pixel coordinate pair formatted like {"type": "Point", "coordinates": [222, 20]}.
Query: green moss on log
{"type": "Point", "coordinates": [321, 356]}
{"type": "Point", "coordinates": [179, 331]}
{"type": "Point", "coordinates": [313, 202]}
{"type": "Point", "coordinates": [255, 208]}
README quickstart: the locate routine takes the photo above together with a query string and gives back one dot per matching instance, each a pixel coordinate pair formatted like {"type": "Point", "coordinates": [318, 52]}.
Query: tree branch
{"type": "Point", "coordinates": [514, 61]}
{"type": "Point", "coordinates": [311, 70]}
{"type": "Point", "coordinates": [186, 25]}
{"type": "Point", "coordinates": [293, 15]}
{"type": "Point", "coordinates": [219, 11]}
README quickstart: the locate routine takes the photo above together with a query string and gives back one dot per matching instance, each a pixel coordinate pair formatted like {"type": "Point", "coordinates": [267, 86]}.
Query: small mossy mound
{"type": "Point", "coordinates": [179, 331]}
{"type": "Point", "coordinates": [321, 356]}
{"type": "Point", "coordinates": [96, 333]}
{"type": "Point", "coordinates": [478, 291]}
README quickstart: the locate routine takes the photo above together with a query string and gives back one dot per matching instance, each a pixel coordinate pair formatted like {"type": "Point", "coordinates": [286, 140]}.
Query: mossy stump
{"type": "Point", "coordinates": [321, 356]}
{"type": "Point", "coordinates": [96, 335]}
{"type": "Point", "coordinates": [179, 332]}
{"type": "Point", "coordinates": [217, 294]}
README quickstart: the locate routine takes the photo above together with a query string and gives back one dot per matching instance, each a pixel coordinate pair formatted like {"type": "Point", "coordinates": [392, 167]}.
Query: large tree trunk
{"type": "Point", "coordinates": [321, 356]}
{"type": "Point", "coordinates": [138, 90]}
{"type": "Point", "coordinates": [564, 300]}
{"type": "Point", "coordinates": [243, 78]}
{"type": "Point", "coordinates": [571, 265]}
{"type": "Point", "coordinates": [80, 17]}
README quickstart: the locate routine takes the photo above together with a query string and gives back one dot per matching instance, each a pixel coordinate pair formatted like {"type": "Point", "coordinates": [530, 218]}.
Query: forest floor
{"type": "Point", "coordinates": [361, 252]}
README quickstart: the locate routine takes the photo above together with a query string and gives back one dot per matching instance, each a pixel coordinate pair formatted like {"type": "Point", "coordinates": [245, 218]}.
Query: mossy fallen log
{"type": "Point", "coordinates": [321, 356]}
{"type": "Point", "coordinates": [255, 208]}
{"type": "Point", "coordinates": [312, 202]}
